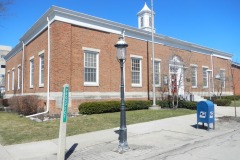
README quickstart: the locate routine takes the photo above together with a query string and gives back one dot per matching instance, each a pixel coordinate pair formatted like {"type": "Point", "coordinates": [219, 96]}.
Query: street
{"type": "Point", "coordinates": [224, 147]}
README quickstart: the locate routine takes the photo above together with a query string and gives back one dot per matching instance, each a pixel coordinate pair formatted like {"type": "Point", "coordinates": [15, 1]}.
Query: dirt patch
{"type": "Point", "coordinates": [229, 119]}
{"type": "Point", "coordinates": [47, 117]}
{"type": "Point", "coordinates": [228, 122]}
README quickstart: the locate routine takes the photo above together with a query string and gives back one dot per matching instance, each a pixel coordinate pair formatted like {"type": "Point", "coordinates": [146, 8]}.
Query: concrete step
{"type": "Point", "coordinates": [195, 98]}
{"type": "Point", "coordinates": [198, 98]}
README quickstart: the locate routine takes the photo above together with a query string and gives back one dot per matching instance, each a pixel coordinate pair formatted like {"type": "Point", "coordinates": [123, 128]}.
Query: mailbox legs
{"type": "Point", "coordinates": [208, 127]}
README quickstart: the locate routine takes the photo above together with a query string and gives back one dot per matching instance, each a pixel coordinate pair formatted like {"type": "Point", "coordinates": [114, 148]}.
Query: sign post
{"type": "Point", "coordinates": [63, 123]}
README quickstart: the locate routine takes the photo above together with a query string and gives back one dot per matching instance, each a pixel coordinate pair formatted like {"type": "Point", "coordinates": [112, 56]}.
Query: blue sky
{"type": "Point", "coordinates": [211, 23]}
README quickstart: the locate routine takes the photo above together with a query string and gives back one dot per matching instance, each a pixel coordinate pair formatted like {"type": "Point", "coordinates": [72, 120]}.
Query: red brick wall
{"type": "Point", "coordinates": [219, 64]}
{"type": "Point", "coordinates": [13, 63]}
{"type": "Point", "coordinates": [236, 79]}
{"type": "Point", "coordinates": [60, 56]}
{"type": "Point", "coordinates": [32, 50]}
{"type": "Point", "coordinates": [108, 65]}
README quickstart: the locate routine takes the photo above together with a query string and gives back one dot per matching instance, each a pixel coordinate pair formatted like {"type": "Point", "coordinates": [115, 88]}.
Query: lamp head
{"type": "Point", "coordinates": [121, 46]}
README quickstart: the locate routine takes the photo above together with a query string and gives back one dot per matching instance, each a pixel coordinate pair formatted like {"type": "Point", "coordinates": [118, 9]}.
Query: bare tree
{"type": "Point", "coordinates": [3, 6]}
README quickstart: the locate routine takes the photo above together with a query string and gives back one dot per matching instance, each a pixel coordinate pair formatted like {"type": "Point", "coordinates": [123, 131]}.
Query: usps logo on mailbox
{"type": "Point", "coordinates": [202, 114]}
{"type": "Point", "coordinates": [211, 115]}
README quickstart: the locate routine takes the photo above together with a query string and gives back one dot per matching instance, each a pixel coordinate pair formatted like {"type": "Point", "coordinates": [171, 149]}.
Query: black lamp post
{"type": "Point", "coordinates": [121, 46]}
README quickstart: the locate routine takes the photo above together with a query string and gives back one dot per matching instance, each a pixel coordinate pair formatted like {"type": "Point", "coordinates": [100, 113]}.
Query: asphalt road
{"type": "Point", "coordinates": [223, 147]}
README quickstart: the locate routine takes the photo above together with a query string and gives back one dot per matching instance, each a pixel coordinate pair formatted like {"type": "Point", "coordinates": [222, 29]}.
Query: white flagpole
{"type": "Point", "coordinates": [153, 59]}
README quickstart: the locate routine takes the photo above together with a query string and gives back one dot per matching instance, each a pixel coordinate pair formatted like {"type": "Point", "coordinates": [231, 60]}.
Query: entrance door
{"type": "Point", "coordinates": [174, 83]}
{"type": "Point", "coordinates": [176, 80]}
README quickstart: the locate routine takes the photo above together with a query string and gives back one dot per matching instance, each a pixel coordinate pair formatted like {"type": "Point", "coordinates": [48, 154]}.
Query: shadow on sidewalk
{"type": "Point", "coordinates": [204, 127]}
{"type": "Point", "coordinates": [71, 150]}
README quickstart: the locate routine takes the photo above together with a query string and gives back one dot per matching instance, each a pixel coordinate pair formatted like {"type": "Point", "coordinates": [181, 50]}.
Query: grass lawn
{"type": "Point", "coordinates": [15, 129]}
{"type": "Point", "coordinates": [236, 102]}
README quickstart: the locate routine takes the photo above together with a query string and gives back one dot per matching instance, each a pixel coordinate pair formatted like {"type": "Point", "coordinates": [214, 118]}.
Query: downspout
{"type": "Point", "coordinates": [212, 73]}
{"type": "Point", "coordinates": [23, 46]}
{"type": "Point", "coordinates": [48, 75]}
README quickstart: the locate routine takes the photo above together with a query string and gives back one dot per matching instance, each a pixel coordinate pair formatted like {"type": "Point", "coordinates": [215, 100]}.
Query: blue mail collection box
{"type": "Point", "coordinates": [205, 113]}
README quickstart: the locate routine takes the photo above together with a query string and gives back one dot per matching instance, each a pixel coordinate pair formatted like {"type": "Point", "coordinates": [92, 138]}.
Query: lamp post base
{"type": "Point", "coordinates": [123, 147]}
{"type": "Point", "coordinates": [155, 107]}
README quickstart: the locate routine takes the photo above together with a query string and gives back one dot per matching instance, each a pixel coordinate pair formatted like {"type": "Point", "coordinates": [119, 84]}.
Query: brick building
{"type": "Point", "coordinates": [3, 51]}
{"type": "Point", "coordinates": [65, 46]}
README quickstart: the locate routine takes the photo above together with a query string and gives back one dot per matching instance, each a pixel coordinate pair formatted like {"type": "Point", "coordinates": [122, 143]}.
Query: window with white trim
{"type": "Point", "coordinates": [8, 85]}
{"type": "Point", "coordinates": [222, 78]}
{"type": "Point", "coordinates": [141, 21]}
{"type": "Point", "coordinates": [41, 70]}
{"type": "Point", "coordinates": [31, 72]}
{"type": "Point", "coordinates": [13, 79]}
{"type": "Point", "coordinates": [91, 68]}
{"type": "Point", "coordinates": [194, 76]}
{"type": "Point", "coordinates": [136, 70]}
{"type": "Point", "coordinates": [18, 76]}
{"type": "Point", "coordinates": [157, 73]}
{"type": "Point", "coordinates": [205, 77]}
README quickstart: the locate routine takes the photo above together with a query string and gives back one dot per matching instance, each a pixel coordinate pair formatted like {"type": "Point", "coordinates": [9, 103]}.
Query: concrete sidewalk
{"type": "Point", "coordinates": [146, 140]}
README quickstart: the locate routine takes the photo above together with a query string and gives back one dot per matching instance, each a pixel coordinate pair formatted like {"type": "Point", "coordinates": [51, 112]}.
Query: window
{"type": "Point", "coordinates": [157, 73]}
{"type": "Point", "coordinates": [141, 21]}
{"type": "Point", "coordinates": [18, 77]}
{"type": "Point", "coordinates": [150, 21]}
{"type": "Point", "coordinates": [174, 69]}
{"type": "Point", "coordinates": [13, 79]}
{"type": "Point", "coordinates": [41, 70]}
{"type": "Point", "coordinates": [3, 66]}
{"type": "Point", "coordinates": [91, 68]}
{"type": "Point", "coordinates": [31, 72]}
{"type": "Point", "coordinates": [136, 72]}
{"type": "Point", "coordinates": [222, 78]}
{"type": "Point", "coordinates": [2, 80]}
{"type": "Point", "coordinates": [8, 76]}
{"type": "Point", "coordinates": [194, 76]}
{"type": "Point", "coordinates": [205, 78]}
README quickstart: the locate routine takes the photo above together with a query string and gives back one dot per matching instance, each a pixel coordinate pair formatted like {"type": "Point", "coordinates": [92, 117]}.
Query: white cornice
{"type": "Point", "coordinates": [236, 64]}
{"type": "Point", "coordinates": [14, 51]}
{"type": "Point", "coordinates": [60, 14]}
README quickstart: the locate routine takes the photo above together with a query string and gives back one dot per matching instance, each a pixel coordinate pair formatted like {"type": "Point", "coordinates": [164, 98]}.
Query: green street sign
{"type": "Point", "coordinates": [65, 96]}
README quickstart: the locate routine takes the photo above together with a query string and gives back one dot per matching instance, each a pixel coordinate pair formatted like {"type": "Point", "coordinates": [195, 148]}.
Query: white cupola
{"type": "Point", "coordinates": [145, 18]}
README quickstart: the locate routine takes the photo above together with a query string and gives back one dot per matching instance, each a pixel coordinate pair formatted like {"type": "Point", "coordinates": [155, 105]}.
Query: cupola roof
{"type": "Point", "coordinates": [145, 9]}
